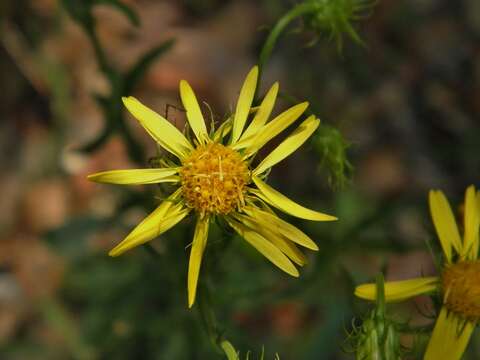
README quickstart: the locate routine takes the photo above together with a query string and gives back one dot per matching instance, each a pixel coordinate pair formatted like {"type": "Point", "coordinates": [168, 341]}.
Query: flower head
{"type": "Point", "coordinates": [459, 282]}
{"type": "Point", "coordinates": [214, 176]}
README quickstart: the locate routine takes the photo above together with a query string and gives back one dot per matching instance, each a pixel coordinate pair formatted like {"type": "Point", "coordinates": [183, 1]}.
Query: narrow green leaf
{"type": "Point", "coordinates": [120, 6]}
{"type": "Point", "coordinates": [79, 10]}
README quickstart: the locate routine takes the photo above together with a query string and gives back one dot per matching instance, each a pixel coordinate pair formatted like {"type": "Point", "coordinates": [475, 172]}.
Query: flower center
{"type": "Point", "coordinates": [214, 178]}
{"type": "Point", "coordinates": [461, 289]}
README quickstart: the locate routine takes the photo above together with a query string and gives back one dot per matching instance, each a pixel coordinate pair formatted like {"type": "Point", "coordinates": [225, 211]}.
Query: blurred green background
{"type": "Point", "coordinates": [407, 103]}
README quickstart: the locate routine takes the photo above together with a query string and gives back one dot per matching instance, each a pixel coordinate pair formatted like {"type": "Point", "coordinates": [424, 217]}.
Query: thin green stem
{"type": "Point", "coordinates": [100, 55]}
{"type": "Point", "coordinates": [208, 317]}
{"type": "Point", "coordinates": [112, 104]}
{"type": "Point", "coordinates": [277, 30]}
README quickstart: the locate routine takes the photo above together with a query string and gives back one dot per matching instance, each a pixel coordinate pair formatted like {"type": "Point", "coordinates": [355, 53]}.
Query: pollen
{"type": "Point", "coordinates": [461, 289]}
{"type": "Point", "coordinates": [214, 179]}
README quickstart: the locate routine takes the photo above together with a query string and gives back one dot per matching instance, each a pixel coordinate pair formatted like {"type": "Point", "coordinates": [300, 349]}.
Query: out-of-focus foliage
{"type": "Point", "coordinates": [122, 83]}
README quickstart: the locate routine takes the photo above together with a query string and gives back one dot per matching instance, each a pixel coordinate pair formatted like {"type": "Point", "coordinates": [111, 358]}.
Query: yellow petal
{"type": "Point", "coordinates": [244, 103]}
{"type": "Point", "coordinates": [135, 176]}
{"type": "Point", "coordinates": [275, 127]}
{"type": "Point", "coordinates": [399, 290]}
{"type": "Point", "coordinates": [160, 129]}
{"type": "Point", "coordinates": [163, 218]}
{"type": "Point", "coordinates": [444, 222]}
{"type": "Point", "coordinates": [198, 246]}
{"type": "Point", "coordinates": [263, 113]}
{"type": "Point", "coordinates": [275, 238]}
{"type": "Point", "coordinates": [266, 248]}
{"type": "Point", "coordinates": [476, 242]}
{"type": "Point", "coordinates": [471, 224]}
{"type": "Point", "coordinates": [289, 145]}
{"type": "Point", "coordinates": [449, 338]}
{"type": "Point", "coordinates": [273, 222]}
{"type": "Point", "coordinates": [194, 114]}
{"type": "Point", "coordinates": [222, 131]}
{"type": "Point", "coordinates": [281, 202]}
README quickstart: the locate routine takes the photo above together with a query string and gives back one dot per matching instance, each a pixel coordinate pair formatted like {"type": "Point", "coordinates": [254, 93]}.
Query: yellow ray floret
{"type": "Point", "coordinates": [263, 112]}
{"type": "Point", "coordinates": [282, 243]}
{"type": "Point", "coordinates": [194, 114]}
{"type": "Point", "coordinates": [266, 248]}
{"type": "Point", "coordinates": [449, 338]}
{"type": "Point", "coordinates": [274, 223]}
{"type": "Point", "coordinates": [471, 225]}
{"type": "Point", "coordinates": [444, 222]}
{"type": "Point", "coordinates": [159, 128]}
{"type": "Point", "coordinates": [289, 145]}
{"type": "Point", "coordinates": [244, 104]}
{"type": "Point", "coordinates": [281, 202]}
{"type": "Point", "coordinates": [136, 176]}
{"type": "Point", "coordinates": [196, 254]}
{"type": "Point", "coordinates": [399, 290]}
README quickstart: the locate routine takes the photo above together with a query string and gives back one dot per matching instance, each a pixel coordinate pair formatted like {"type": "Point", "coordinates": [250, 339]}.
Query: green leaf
{"type": "Point", "coordinates": [138, 70]}
{"type": "Point", "coordinates": [79, 10]}
{"type": "Point", "coordinates": [120, 6]}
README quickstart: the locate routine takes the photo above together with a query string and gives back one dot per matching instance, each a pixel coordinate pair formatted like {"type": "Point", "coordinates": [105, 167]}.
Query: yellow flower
{"type": "Point", "coordinates": [459, 282]}
{"type": "Point", "coordinates": [214, 177]}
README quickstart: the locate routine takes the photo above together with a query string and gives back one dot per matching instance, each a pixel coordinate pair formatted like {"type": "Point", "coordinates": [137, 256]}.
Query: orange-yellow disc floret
{"type": "Point", "coordinates": [214, 178]}
{"type": "Point", "coordinates": [461, 289]}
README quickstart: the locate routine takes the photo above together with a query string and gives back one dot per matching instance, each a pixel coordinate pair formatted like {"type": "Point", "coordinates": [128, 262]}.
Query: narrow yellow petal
{"type": "Point", "coordinates": [273, 222]}
{"type": "Point", "coordinates": [223, 130]}
{"type": "Point", "coordinates": [198, 246]}
{"type": "Point", "coordinates": [275, 127]}
{"type": "Point", "coordinates": [163, 218]}
{"type": "Point", "coordinates": [471, 224]}
{"type": "Point", "coordinates": [449, 338]}
{"type": "Point", "coordinates": [281, 202]}
{"type": "Point", "coordinates": [444, 222]}
{"type": "Point", "coordinates": [476, 242]}
{"type": "Point", "coordinates": [285, 246]}
{"type": "Point", "coordinates": [263, 112]}
{"type": "Point", "coordinates": [289, 145]}
{"type": "Point", "coordinates": [266, 248]}
{"type": "Point", "coordinates": [135, 176]}
{"type": "Point", "coordinates": [159, 128]}
{"type": "Point", "coordinates": [194, 114]}
{"type": "Point", "coordinates": [244, 103]}
{"type": "Point", "coordinates": [399, 290]}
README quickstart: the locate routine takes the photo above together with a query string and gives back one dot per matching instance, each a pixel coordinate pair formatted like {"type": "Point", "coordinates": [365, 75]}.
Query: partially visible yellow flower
{"type": "Point", "coordinates": [215, 177]}
{"type": "Point", "coordinates": [459, 282]}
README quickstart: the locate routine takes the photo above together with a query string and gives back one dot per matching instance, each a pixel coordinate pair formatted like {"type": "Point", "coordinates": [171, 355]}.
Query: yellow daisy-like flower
{"type": "Point", "coordinates": [459, 282]}
{"type": "Point", "coordinates": [215, 178]}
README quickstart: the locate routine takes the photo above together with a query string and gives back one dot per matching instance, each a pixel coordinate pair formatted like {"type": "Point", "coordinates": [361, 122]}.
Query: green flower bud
{"type": "Point", "coordinates": [336, 17]}
{"type": "Point", "coordinates": [378, 336]}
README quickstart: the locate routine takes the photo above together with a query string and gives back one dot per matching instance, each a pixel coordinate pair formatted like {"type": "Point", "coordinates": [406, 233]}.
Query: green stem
{"type": "Point", "coordinates": [207, 316]}
{"type": "Point", "coordinates": [112, 105]}
{"type": "Point", "coordinates": [279, 27]}
{"type": "Point", "coordinates": [380, 300]}
{"type": "Point", "coordinates": [99, 53]}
